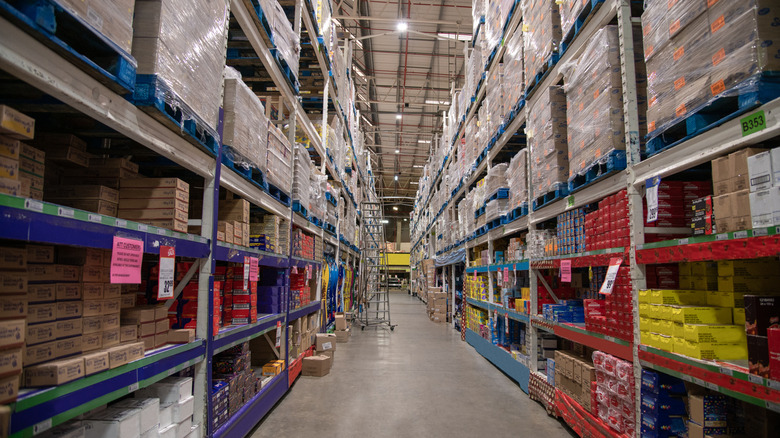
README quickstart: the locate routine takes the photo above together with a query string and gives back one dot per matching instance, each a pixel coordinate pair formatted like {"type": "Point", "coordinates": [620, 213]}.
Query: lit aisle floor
{"type": "Point", "coordinates": [420, 380]}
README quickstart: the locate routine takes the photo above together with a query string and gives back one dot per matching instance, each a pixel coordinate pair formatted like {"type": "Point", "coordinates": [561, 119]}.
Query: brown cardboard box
{"type": "Point", "coordinates": [11, 187]}
{"type": "Point", "coordinates": [170, 224]}
{"type": "Point", "coordinates": [12, 333]}
{"type": "Point", "coordinates": [92, 324]}
{"type": "Point", "coordinates": [41, 293]}
{"type": "Point", "coordinates": [40, 254]}
{"type": "Point", "coordinates": [12, 282]}
{"type": "Point", "coordinates": [135, 351]}
{"type": "Point", "coordinates": [160, 339]}
{"type": "Point", "coordinates": [54, 272]}
{"type": "Point", "coordinates": [68, 347]}
{"type": "Point", "coordinates": [93, 307]}
{"type": "Point", "coordinates": [93, 192]}
{"type": "Point", "coordinates": [32, 153]}
{"type": "Point", "coordinates": [9, 389]}
{"type": "Point", "coordinates": [56, 139]}
{"type": "Point", "coordinates": [342, 336]}
{"type": "Point", "coordinates": [9, 168]}
{"type": "Point", "coordinates": [110, 338]}
{"type": "Point", "coordinates": [153, 214]}
{"type": "Point", "coordinates": [11, 361]}
{"type": "Point", "coordinates": [40, 333]}
{"type": "Point", "coordinates": [738, 167]}
{"type": "Point", "coordinates": [181, 336]}
{"type": "Point", "coordinates": [127, 301]}
{"type": "Point", "coordinates": [162, 326]}
{"type": "Point", "coordinates": [41, 313]}
{"type": "Point", "coordinates": [92, 291]}
{"type": "Point", "coordinates": [98, 206]}
{"type": "Point", "coordinates": [138, 315]}
{"type": "Point", "coordinates": [40, 353]}
{"type": "Point", "coordinates": [91, 342]}
{"type": "Point", "coordinates": [111, 306]}
{"type": "Point", "coordinates": [69, 309]}
{"type": "Point", "coordinates": [325, 342]}
{"type": "Point", "coordinates": [95, 362]}
{"type": "Point", "coordinates": [68, 291]}
{"type": "Point", "coordinates": [128, 333]}
{"type": "Point", "coordinates": [234, 210]}
{"type": "Point", "coordinates": [118, 356]}
{"type": "Point", "coordinates": [155, 183]}
{"type": "Point", "coordinates": [81, 256]}
{"type": "Point", "coordinates": [111, 321]}
{"type": "Point", "coordinates": [161, 193]}
{"type": "Point", "coordinates": [68, 327]}
{"type": "Point", "coordinates": [111, 291]}
{"type": "Point", "coordinates": [316, 366]}
{"type": "Point", "coordinates": [155, 203]}
{"type": "Point", "coordinates": [69, 156]}
{"type": "Point", "coordinates": [146, 329]}
{"type": "Point", "coordinates": [148, 342]}
{"type": "Point", "coordinates": [13, 258]}
{"type": "Point", "coordinates": [15, 124]}
{"type": "Point", "coordinates": [9, 147]}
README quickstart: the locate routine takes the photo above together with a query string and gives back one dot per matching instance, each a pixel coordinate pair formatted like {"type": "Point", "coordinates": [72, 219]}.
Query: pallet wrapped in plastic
{"type": "Point", "coordinates": [514, 72]}
{"type": "Point", "coordinates": [245, 132]}
{"type": "Point", "coordinates": [663, 19]}
{"type": "Point", "coordinates": [546, 134]}
{"type": "Point", "coordinates": [496, 208]}
{"type": "Point", "coordinates": [279, 166]}
{"type": "Point", "coordinates": [496, 13]}
{"type": "Point", "coordinates": [494, 101]}
{"type": "Point", "coordinates": [542, 34]}
{"type": "Point", "coordinates": [495, 180]}
{"type": "Point", "coordinates": [301, 185]}
{"type": "Point", "coordinates": [516, 177]}
{"type": "Point", "coordinates": [477, 13]}
{"type": "Point", "coordinates": [723, 52]}
{"type": "Point", "coordinates": [113, 19]}
{"type": "Point", "coordinates": [285, 39]}
{"type": "Point", "coordinates": [182, 42]}
{"type": "Point", "coordinates": [317, 199]}
{"type": "Point", "coordinates": [594, 102]}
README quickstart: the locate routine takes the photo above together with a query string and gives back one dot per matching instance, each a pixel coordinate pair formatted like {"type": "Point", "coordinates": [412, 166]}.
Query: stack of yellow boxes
{"type": "Point", "coordinates": [525, 297]}
{"type": "Point", "coordinates": [705, 319]}
{"type": "Point", "coordinates": [14, 126]}
{"type": "Point", "coordinates": [476, 318]}
{"type": "Point", "coordinates": [477, 287]}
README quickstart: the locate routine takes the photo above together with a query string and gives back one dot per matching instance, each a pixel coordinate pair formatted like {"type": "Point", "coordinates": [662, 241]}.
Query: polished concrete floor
{"type": "Point", "coordinates": [419, 381]}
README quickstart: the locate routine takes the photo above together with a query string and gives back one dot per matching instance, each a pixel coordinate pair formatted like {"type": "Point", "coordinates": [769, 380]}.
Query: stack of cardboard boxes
{"type": "Point", "coordinates": [764, 179]}
{"type": "Point", "coordinates": [15, 126]}
{"type": "Point", "coordinates": [234, 221]}
{"type": "Point", "coordinates": [731, 195]}
{"type": "Point", "coordinates": [176, 405]}
{"type": "Point", "coordinates": [271, 235]}
{"type": "Point", "coordinates": [13, 285]}
{"type": "Point", "coordinates": [321, 362]}
{"type": "Point", "coordinates": [343, 330]}
{"type": "Point", "coordinates": [546, 131]}
{"type": "Point", "coordinates": [575, 375]}
{"type": "Point", "coordinates": [160, 202]}
{"type": "Point", "coordinates": [151, 325]}
{"type": "Point", "coordinates": [438, 309]}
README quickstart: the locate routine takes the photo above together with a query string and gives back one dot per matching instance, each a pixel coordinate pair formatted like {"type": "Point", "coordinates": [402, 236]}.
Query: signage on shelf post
{"type": "Point", "coordinates": [278, 334]}
{"type": "Point", "coordinates": [651, 186]}
{"type": "Point", "coordinates": [247, 270]}
{"type": "Point", "coordinates": [609, 278]}
{"type": "Point", "coordinates": [167, 272]}
{"type": "Point", "coordinates": [566, 271]}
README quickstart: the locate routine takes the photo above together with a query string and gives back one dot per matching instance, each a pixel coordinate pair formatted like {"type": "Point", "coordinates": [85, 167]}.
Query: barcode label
{"type": "Point", "coordinates": [758, 380]}
{"type": "Point", "coordinates": [65, 212]}
{"type": "Point", "coordinates": [741, 234]}
{"type": "Point", "coordinates": [41, 427]}
{"type": "Point", "coordinates": [726, 371]}
{"type": "Point", "coordinates": [682, 241]}
{"type": "Point", "coordinates": [161, 231]}
{"type": "Point", "coordinates": [652, 198]}
{"type": "Point", "coordinates": [697, 381]}
{"type": "Point", "coordinates": [34, 205]}
{"type": "Point", "coordinates": [760, 232]}
{"type": "Point", "coordinates": [143, 227]}
{"type": "Point", "coordinates": [133, 387]}
{"type": "Point", "coordinates": [121, 223]}
{"type": "Point", "coordinates": [723, 236]}
{"type": "Point", "coordinates": [95, 218]}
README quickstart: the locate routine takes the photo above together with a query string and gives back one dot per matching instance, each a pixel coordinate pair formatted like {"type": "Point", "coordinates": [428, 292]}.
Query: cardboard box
{"type": "Point", "coordinates": [95, 362]}
{"type": "Point", "coordinates": [68, 156]}
{"type": "Point", "coordinates": [111, 321]}
{"type": "Point", "coordinates": [68, 346]}
{"type": "Point", "coordinates": [92, 324]}
{"type": "Point", "coordinates": [150, 410]}
{"type": "Point", "coordinates": [40, 254]}
{"type": "Point", "coordinates": [40, 353]}
{"type": "Point", "coordinates": [234, 210]}
{"type": "Point", "coordinates": [761, 312]}
{"type": "Point", "coordinates": [114, 422]}
{"type": "Point", "coordinates": [83, 192]}
{"type": "Point", "coordinates": [12, 258]}
{"type": "Point", "coordinates": [325, 342]}
{"type": "Point", "coordinates": [12, 282]}
{"type": "Point", "coordinates": [9, 389]}
{"type": "Point", "coordinates": [316, 366]}
{"type": "Point", "coordinates": [11, 361]}
{"type": "Point", "coordinates": [54, 272]}
{"type": "Point", "coordinates": [91, 342]}
{"type": "Point", "coordinates": [760, 171]}
{"type": "Point", "coordinates": [9, 147]}
{"type": "Point", "coordinates": [155, 183]}
{"type": "Point", "coordinates": [273, 368]}
{"type": "Point", "coordinates": [41, 313]}
{"type": "Point", "coordinates": [181, 336]}
{"type": "Point", "coordinates": [765, 207]}
{"type": "Point", "coordinates": [128, 333]}
{"type": "Point", "coordinates": [139, 315]}
{"type": "Point", "coordinates": [39, 333]}
{"type": "Point", "coordinates": [68, 291]}
{"type": "Point", "coordinates": [68, 327]}
{"type": "Point", "coordinates": [15, 124]}
{"type": "Point", "coordinates": [738, 167]}
{"type": "Point", "coordinates": [69, 309]}
{"type": "Point", "coordinates": [110, 337]}
{"type": "Point", "coordinates": [41, 293]}
{"type": "Point", "coordinates": [162, 193]}
{"type": "Point", "coordinates": [54, 373]}
{"type": "Point", "coordinates": [342, 336]}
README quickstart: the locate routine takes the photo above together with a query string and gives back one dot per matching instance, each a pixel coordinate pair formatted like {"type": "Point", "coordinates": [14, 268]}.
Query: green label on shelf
{"type": "Point", "coordinates": [570, 202]}
{"type": "Point", "coordinates": [753, 123]}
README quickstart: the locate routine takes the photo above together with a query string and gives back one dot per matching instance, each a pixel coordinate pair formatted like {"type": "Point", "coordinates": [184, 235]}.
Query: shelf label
{"type": "Point", "coordinates": [506, 323]}
{"type": "Point", "coordinates": [65, 212]}
{"type": "Point", "coordinates": [133, 387]}
{"type": "Point", "coordinates": [41, 427]}
{"type": "Point", "coordinates": [190, 237]}
{"type": "Point", "coordinates": [278, 334]}
{"type": "Point", "coordinates": [727, 371]}
{"type": "Point", "coordinates": [651, 186]}
{"type": "Point", "coordinates": [126, 258]}
{"type": "Point", "coordinates": [760, 232]}
{"type": "Point", "coordinates": [171, 371]}
{"type": "Point", "coordinates": [95, 218]}
{"type": "Point", "coordinates": [773, 384]}
{"type": "Point", "coordinates": [682, 241]}
{"type": "Point", "coordinates": [143, 227]}
{"type": "Point", "coordinates": [566, 271]}
{"type": "Point", "coordinates": [741, 234]}
{"type": "Point", "coordinates": [162, 231]}
{"type": "Point", "coordinates": [723, 236]}
{"type": "Point", "coordinates": [247, 270]}
{"type": "Point", "coordinates": [758, 380]}
{"type": "Point", "coordinates": [710, 385]}
{"type": "Point", "coordinates": [33, 205]}
{"type": "Point", "coordinates": [254, 269]}
{"type": "Point", "coordinates": [753, 123]}
{"type": "Point", "coordinates": [569, 202]}
{"type": "Point", "coordinates": [167, 271]}
{"type": "Point", "coordinates": [611, 276]}
{"type": "Point", "coordinates": [772, 406]}
{"type": "Point", "coordinates": [697, 381]}
{"type": "Point", "coordinates": [121, 223]}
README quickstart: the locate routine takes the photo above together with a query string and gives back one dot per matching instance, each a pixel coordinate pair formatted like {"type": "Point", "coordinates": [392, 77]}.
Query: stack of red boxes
{"type": "Point", "coordinates": [183, 312]}
{"type": "Point", "coordinates": [613, 316]}
{"type": "Point", "coordinates": [244, 308]}
{"type": "Point", "coordinates": [303, 245]}
{"type": "Point", "coordinates": [299, 290]}
{"type": "Point", "coordinates": [674, 206]}
{"type": "Point", "coordinates": [561, 292]}
{"type": "Point", "coordinates": [608, 227]}
{"type": "Point", "coordinates": [663, 276]}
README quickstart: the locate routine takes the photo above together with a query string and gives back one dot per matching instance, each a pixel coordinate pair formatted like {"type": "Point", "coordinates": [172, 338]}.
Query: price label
{"type": "Point", "coordinates": [697, 381]}
{"type": "Point", "coordinates": [723, 236]}
{"type": "Point", "coordinates": [741, 234]}
{"type": "Point", "coordinates": [95, 218]}
{"type": "Point", "coordinates": [506, 275]}
{"type": "Point", "coordinates": [190, 237]}
{"type": "Point", "coordinates": [682, 241]}
{"type": "Point", "coordinates": [760, 232]}
{"type": "Point", "coordinates": [278, 334]}
{"type": "Point", "coordinates": [772, 406]}
{"type": "Point", "coordinates": [143, 227]}
{"type": "Point", "coordinates": [566, 271]}
{"type": "Point", "coordinates": [475, 275]}
{"type": "Point", "coordinates": [65, 212]}
{"type": "Point", "coordinates": [33, 205]}
{"type": "Point", "coordinates": [167, 272]}
{"type": "Point", "coordinates": [308, 273]}
{"type": "Point", "coordinates": [753, 123]}
{"type": "Point", "coordinates": [121, 223]}
{"type": "Point", "coordinates": [133, 387]}
{"type": "Point", "coordinates": [611, 276]}
{"type": "Point", "coordinates": [727, 371]}
{"type": "Point", "coordinates": [570, 202]}
{"type": "Point", "coordinates": [41, 427]}
{"type": "Point", "coordinates": [506, 323]}
{"type": "Point", "coordinates": [774, 384]}
{"type": "Point", "coordinates": [161, 231]}
{"type": "Point", "coordinates": [652, 198]}
{"type": "Point", "coordinates": [247, 270]}
{"type": "Point", "coordinates": [710, 385]}
{"type": "Point", "coordinates": [254, 269]}
{"type": "Point", "coordinates": [758, 380]}
{"type": "Point", "coordinates": [498, 279]}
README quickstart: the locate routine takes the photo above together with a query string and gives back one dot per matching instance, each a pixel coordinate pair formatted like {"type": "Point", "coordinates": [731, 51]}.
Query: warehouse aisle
{"type": "Point", "coordinates": [421, 380]}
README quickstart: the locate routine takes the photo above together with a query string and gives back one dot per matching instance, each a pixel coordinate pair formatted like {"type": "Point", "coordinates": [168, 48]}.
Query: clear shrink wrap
{"type": "Point", "coordinates": [317, 201]}
{"type": "Point", "coordinates": [514, 74]}
{"type": "Point", "coordinates": [183, 42]}
{"type": "Point", "coordinates": [570, 10]}
{"type": "Point", "coordinates": [496, 13]}
{"type": "Point", "coordinates": [279, 166]}
{"type": "Point", "coordinates": [594, 102]}
{"type": "Point", "coordinates": [285, 39]}
{"type": "Point", "coordinates": [494, 101]}
{"type": "Point", "coordinates": [663, 19]}
{"type": "Point", "coordinates": [541, 34]}
{"type": "Point", "coordinates": [301, 185]}
{"type": "Point", "coordinates": [723, 52]}
{"type": "Point", "coordinates": [496, 208]}
{"type": "Point", "coordinates": [496, 179]}
{"type": "Point", "coordinates": [477, 13]}
{"type": "Point", "coordinates": [546, 134]}
{"type": "Point", "coordinates": [516, 176]}
{"type": "Point", "coordinates": [245, 133]}
{"type": "Point", "coordinates": [113, 19]}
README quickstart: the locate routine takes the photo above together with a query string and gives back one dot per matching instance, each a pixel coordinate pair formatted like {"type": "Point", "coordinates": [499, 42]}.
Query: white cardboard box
{"type": "Point", "coordinates": [168, 390]}
{"type": "Point", "coordinates": [194, 431]}
{"type": "Point", "coordinates": [166, 415]}
{"type": "Point", "coordinates": [150, 411]}
{"type": "Point", "coordinates": [765, 207]}
{"type": "Point", "coordinates": [151, 433]}
{"type": "Point", "coordinates": [775, 155]}
{"type": "Point", "coordinates": [168, 431]}
{"type": "Point", "coordinates": [183, 428]}
{"type": "Point", "coordinates": [183, 409]}
{"type": "Point", "coordinates": [113, 422]}
{"type": "Point", "coordinates": [760, 171]}
{"type": "Point", "coordinates": [74, 429]}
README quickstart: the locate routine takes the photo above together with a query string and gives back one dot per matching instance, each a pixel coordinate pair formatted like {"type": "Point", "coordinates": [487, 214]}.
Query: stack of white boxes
{"type": "Point", "coordinates": [764, 170]}
{"type": "Point", "coordinates": [176, 404]}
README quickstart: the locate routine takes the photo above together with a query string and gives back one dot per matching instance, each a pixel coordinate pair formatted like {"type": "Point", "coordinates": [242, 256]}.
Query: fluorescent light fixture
{"type": "Point", "coordinates": [405, 219]}
{"type": "Point", "coordinates": [437, 102]}
{"type": "Point", "coordinates": [403, 26]}
{"type": "Point", "coordinates": [395, 208]}
{"type": "Point", "coordinates": [414, 183]}
{"type": "Point", "coordinates": [455, 36]}
{"type": "Point", "coordinates": [398, 116]}
{"type": "Point", "coordinates": [396, 178]}
{"type": "Point", "coordinates": [385, 221]}
{"type": "Point", "coordinates": [423, 141]}
{"type": "Point", "coordinates": [397, 151]}
{"type": "Point", "coordinates": [418, 166]}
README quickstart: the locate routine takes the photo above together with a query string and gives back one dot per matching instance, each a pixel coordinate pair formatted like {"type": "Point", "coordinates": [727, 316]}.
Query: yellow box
{"type": "Point", "coordinates": [665, 343]}
{"type": "Point", "coordinates": [644, 337]}
{"type": "Point", "coordinates": [709, 351]}
{"type": "Point", "coordinates": [678, 297]}
{"type": "Point", "coordinates": [704, 269]}
{"type": "Point", "coordinates": [15, 124]}
{"type": "Point", "coordinates": [701, 315]}
{"type": "Point", "coordinates": [664, 327]}
{"type": "Point", "coordinates": [739, 316]}
{"type": "Point", "coordinates": [525, 293]}
{"type": "Point", "coordinates": [700, 282]}
{"type": "Point", "coordinates": [678, 330]}
{"type": "Point", "coordinates": [755, 267]}
{"type": "Point", "coordinates": [645, 296]}
{"type": "Point", "coordinates": [715, 333]}
{"type": "Point", "coordinates": [679, 346]}
{"type": "Point", "coordinates": [685, 269]}
{"type": "Point", "coordinates": [685, 282]}
{"type": "Point", "coordinates": [754, 284]}
{"type": "Point", "coordinates": [645, 310]}
{"type": "Point", "coordinates": [646, 324]}
{"type": "Point", "coordinates": [273, 368]}
{"type": "Point", "coordinates": [664, 312]}
{"type": "Point", "coordinates": [726, 299]}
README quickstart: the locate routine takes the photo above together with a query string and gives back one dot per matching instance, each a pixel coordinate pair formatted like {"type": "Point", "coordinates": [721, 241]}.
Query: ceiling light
{"type": "Point", "coordinates": [414, 183]}
{"type": "Point", "coordinates": [418, 166]}
{"type": "Point", "coordinates": [385, 221]}
{"type": "Point", "coordinates": [395, 208]}
{"type": "Point", "coordinates": [396, 177]}
{"type": "Point", "coordinates": [405, 219]}
{"type": "Point", "coordinates": [423, 141]}
{"type": "Point", "coordinates": [397, 151]}
{"type": "Point", "coordinates": [402, 26]}
{"type": "Point", "coordinates": [398, 116]}
{"type": "Point", "coordinates": [455, 36]}
{"type": "Point", "coordinates": [437, 102]}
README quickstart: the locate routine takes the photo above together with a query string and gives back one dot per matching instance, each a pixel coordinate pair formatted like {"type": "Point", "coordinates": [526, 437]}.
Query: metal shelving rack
{"type": "Point", "coordinates": [730, 380]}
{"type": "Point", "coordinates": [28, 59]}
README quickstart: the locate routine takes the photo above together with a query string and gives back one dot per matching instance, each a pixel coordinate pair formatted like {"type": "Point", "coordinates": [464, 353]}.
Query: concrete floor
{"type": "Point", "coordinates": [420, 380]}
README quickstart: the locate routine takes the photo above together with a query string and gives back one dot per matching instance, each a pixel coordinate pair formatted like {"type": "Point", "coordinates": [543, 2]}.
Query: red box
{"type": "Point", "coordinates": [773, 333]}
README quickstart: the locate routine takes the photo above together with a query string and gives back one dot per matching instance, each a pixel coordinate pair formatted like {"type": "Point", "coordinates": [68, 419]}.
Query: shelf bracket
{"type": "Point", "coordinates": [547, 286]}
{"type": "Point", "coordinates": [271, 344]}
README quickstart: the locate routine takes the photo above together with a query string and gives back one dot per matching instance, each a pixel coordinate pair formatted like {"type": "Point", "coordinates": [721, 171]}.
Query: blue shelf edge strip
{"type": "Point", "coordinates": [500, 358]}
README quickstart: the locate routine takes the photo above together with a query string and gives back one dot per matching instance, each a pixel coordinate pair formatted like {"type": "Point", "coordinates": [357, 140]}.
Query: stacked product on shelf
{"type": "Point", "coordinates": [608, 225]}
{"type": "Point", "coordinates": [514, 71]}
{"type": "Point", "coordinates": [664, 407]}
{"type": "Point", "coordinates": [674, 209]}
{"type": "Point", "coordinates": [270, 235]}
{"type": "Point", "coordinates": [546, 131]}
{"type": "Point", "coordinates": [570, 230]}
{"type": "Point", "coordinates": [541, 36]}
{"type": "Point", "coordinates": [301, 187]}
{"type": "Point", "coordinates": [615, 391]}
{"type": "Point", "coordinates": [245, 134]}
{"type": "Point", "coordinates": [438, 306]}
{"type": "Point", "coordinates": [278, 164]}
{"type": "Point", "coordinates": [176, 406]}
{"type": "Point", "coordinates": [21, 166]}
{"type": "Point", "coordinates": [516, 176]}
{"type": "Point", "coordinates": [161, 202]}
{"type": "Point", "coordinates": [764, 188]}
{"type": "Point", "coordinates": [233, 369]}
{"type": "Point", "coordinates": [287, 45]}
{"type": "Point", "coordinates": [114, 20]}
{"type": "Point", "coordinates": [575, 375]}
{"type": "Point", "coordinates": [300, 292]}
{"type": "Point", "coordinates": [731, 204]}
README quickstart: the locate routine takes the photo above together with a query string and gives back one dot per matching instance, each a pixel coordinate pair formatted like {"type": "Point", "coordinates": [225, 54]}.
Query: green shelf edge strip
{"type": "Point", "coordinates": [744, 234]}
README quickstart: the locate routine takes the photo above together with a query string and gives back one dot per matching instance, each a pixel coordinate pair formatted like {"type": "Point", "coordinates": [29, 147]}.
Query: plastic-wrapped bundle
{"type": "Point", "coordinates": [594, 102]}
{"type": "Point", "coordinates": [494, 101]}
{"type": "Point", "coordinates": [496, 208]}
{"type": "Point", "coordinates": [112, 19]}
{"type": "Point", "coordinates": [516, 176]}
{"type": "Point", "coordinates": [494, 23]}
{"type": "Point", "coordinates": [322, 14]}
{"type": "Point", "coordinates": [496, 179]}
{"type": "Point", "coordinates": [301, 186]}
{"type": "Point", "coordinates": [546, 133]}
{"type": "Point", "coordinates": [285, 39]}
{"type": "Point", "coordinates": [245, 133]}
{"type": "Point", "coordinates": [513, 84]}
{"type": "Point", "coordinates": [722, 52]}
{"type": "Point", "coordinates": [477, 13]}
{"type": "Point", "coordinates": [317, 194]}
{"type": "Point", "coordinates": [279, 166]}
{"type": "Point", "coordinates": [183, 43]}
{"type": "Point", "coordinates": [570, 10]}
{"type": "Point", "coordinates": [542, 34]}
{"type": "Point", "coordinates": [663, 19]}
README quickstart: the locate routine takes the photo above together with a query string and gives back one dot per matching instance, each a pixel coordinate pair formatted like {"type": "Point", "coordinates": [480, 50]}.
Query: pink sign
{"type": "Point", "coordinates": [254, 269]}
{"type": "Point", "coordinates": [566, 271]}
{"type": "Point", "coordinates": [126, 258]}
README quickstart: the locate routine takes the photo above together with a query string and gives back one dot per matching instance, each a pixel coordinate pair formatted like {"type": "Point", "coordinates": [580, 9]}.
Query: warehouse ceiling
{"type": "Point", "coordinates": [403, 80]}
